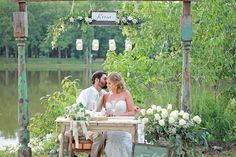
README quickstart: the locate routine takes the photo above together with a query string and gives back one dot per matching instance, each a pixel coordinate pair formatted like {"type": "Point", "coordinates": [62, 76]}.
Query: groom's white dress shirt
{"type": "Point", "coordinates": [91, 98]}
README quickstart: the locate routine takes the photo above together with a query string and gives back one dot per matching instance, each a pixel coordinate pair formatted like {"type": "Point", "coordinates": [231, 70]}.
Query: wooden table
{"type": "Point", "coordinates": [124, 123]}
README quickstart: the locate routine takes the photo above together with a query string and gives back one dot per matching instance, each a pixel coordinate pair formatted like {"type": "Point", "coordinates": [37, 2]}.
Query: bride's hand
{"type": "Point", "coordinates": [110, 114]}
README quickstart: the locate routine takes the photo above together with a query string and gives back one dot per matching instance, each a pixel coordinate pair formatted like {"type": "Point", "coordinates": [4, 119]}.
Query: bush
{"type": "Point", "coordinates": [43, 124]}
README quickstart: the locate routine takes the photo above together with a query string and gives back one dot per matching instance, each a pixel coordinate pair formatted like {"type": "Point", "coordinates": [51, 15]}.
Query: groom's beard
{"type": "Point", "coordinates": [104, 86]}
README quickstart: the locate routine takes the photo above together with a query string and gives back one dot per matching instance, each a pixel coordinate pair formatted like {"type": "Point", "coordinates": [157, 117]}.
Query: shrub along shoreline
{"type": "Point", "coordinates": [47, 64]}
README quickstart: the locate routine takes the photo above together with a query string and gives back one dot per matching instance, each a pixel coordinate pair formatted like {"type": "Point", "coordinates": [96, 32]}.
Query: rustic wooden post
{"type": "Point", "coordinates": [20, 34]}
{"type": "Point", "coordinates": [186, 36]}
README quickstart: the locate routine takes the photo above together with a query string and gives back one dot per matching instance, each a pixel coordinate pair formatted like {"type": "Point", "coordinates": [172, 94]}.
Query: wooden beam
{"type": "Point", "coordinates": [16, 1]}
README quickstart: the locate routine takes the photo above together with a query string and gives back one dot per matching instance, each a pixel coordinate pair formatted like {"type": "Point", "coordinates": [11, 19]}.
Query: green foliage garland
{"type": "Point", "coordinates": [82, 21]}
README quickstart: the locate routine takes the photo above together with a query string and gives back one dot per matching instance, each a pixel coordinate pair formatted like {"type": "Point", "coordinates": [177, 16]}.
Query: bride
{"type": "Point", "coordinates": [118, 102]}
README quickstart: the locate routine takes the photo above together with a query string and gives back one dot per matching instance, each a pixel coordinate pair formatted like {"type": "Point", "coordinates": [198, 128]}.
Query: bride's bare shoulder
{"type": "Point", "coordinates": [127, 92]}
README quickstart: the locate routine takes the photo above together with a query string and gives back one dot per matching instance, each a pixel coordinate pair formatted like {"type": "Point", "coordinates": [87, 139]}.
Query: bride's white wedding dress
{"type": "Point", "coordinates": [119, 143]}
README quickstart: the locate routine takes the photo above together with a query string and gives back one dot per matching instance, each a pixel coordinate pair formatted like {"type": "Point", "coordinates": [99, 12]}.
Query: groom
{"type": "Point", "coordinates": [92, 98]}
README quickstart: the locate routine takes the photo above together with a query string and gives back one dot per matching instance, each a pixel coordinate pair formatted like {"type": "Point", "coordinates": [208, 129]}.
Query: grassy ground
{"type": "Point", "coordinates": [213, 154]}
{"type": "Point", "coordinates": [45, 64]}
{"type": "Point", "coordinates": [222, 154]}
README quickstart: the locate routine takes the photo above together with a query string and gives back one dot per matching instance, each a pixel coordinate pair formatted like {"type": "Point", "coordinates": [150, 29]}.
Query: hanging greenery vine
{"type": "Point", "coordinates": [81, 21]}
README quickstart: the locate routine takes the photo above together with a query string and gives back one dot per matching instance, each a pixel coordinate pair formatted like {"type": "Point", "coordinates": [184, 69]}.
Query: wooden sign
{"type": "Point", "coordinates": [147, 150]}
{"type": "Point", "coordinates": [105, 18]}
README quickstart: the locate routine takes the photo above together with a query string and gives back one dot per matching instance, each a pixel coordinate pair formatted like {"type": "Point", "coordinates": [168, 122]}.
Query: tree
{"type": "Point", "coordinates": [6, 31]}
{"type": "Point", "coordinates": [156, 59]}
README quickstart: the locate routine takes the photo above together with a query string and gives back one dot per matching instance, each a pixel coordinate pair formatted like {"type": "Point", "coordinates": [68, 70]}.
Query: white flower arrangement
{"type": "Point", "coordinates": [129, 20]}
{"type": "Point", "coordinates": [172, 125]}
{"type": "Point", "coordinates": [77, 112]}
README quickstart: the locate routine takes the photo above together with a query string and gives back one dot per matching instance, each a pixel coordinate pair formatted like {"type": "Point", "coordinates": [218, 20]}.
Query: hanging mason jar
{"type": "Point", "coordinates": [128, 45]}
{"type": "Point", "coordinates": [79, 44]}
{"type": "Point", "coordinates": [95, 45]}
{"type": "Point", "coordinates": [112, 45]}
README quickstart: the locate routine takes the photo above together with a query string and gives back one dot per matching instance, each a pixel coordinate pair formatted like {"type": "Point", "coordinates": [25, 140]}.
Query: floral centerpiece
{"type": "Point", "coordinates": [179, 128]}
{"type": "Point", "coordinates": [77, 112]}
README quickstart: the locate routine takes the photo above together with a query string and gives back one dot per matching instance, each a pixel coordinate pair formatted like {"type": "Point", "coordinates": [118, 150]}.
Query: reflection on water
{"type": "Point", "coordinates": [6, 141]}
{"type": "Point", "coordinates": [40, 83]}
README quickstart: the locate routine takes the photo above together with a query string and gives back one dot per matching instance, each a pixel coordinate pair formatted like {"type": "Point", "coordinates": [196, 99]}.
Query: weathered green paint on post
{"type": "Point", "coordinates": [186, 36]}
{"type": "Point", "coordinates": [20, 33]}
{"type": "Point", "coordinates": [23, 115]}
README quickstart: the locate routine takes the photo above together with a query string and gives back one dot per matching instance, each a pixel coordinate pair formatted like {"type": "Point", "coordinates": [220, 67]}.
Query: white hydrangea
{"type": "Point", "coordinates": [182, 122]}
{"type": "Point", "coordinates": [72, 19]}
{"type": "Point", "coordinates": [88, 112]}
{"type": "Point", "coordinates": [186, 116]}
{"type": "Point", "coordinates": [49, 136]}
{"type": "Point", "coordinates": [197, 119]}
{"type": "Point", "coordinates": [158, 108]}
{"type": "Point", "coordinates": [145, 120]}
{"type": "Point", "coordinates": [143, 112]}
{"type": "Point", "coordinates": [88, 20]}
{"type": "Point", "coordinates": [172, 130]}
{"type": "Point", "coordinates": [130, 18]}
{"type": "Point", "coordinates": [169, 107]}
{"type": "Point", "coordinates": [171, 120]}
{"type": "Point", "coordinates": [164, 113]}
{"type": "Point", "coordinates": [174, 114]}
{"type": "Point", "coordinates": [80, 18]}
{"type": "Point", "coordinates": [135, 21]}
{"type": "Point", "coordinates": [162, 122]}
{"type": "Point", "coordinates": [124, 20]}
{"type": "Point", "coordinates": [149, 111]}
{"type": "Point", "coordinates": [181, 113]}
{"type": "Point", "coordinates": [117, 21]}
{"type": "Point", "coordinates": [80, 114]}
{"type": "Point", "coordinates": [157, 116]}
{"type": "Point", "coordinates": [154, 107]}
{"type": "Point", "coordinates": [74, 105]}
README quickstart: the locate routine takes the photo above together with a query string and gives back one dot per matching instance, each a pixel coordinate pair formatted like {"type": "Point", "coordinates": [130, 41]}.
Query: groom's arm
{"type": "Point", "coordinates": [82, 99]}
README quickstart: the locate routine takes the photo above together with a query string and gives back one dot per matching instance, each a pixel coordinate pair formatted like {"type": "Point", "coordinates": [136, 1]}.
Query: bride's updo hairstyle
{"type": "Point", "coordinates": [116, 78]}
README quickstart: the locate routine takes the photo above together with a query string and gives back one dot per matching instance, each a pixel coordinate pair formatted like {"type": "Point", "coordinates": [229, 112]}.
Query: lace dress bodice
{"type": "Point", "coordinates": [117, 106]}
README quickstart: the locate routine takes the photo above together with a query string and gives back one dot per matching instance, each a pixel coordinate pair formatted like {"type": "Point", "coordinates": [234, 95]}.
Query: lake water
{"type": "Point", "coordinates": [40, 83]}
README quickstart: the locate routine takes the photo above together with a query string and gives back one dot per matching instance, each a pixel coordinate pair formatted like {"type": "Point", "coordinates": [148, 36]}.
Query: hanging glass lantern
{"type": "Point", "coordinates": [128, 45]}
{"type": "Point", "coordinates": [95, 45]}
{"type": "Point", "coordinates": [79, 44]}
{"type": "Point", "coordinates": [112, 45]}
